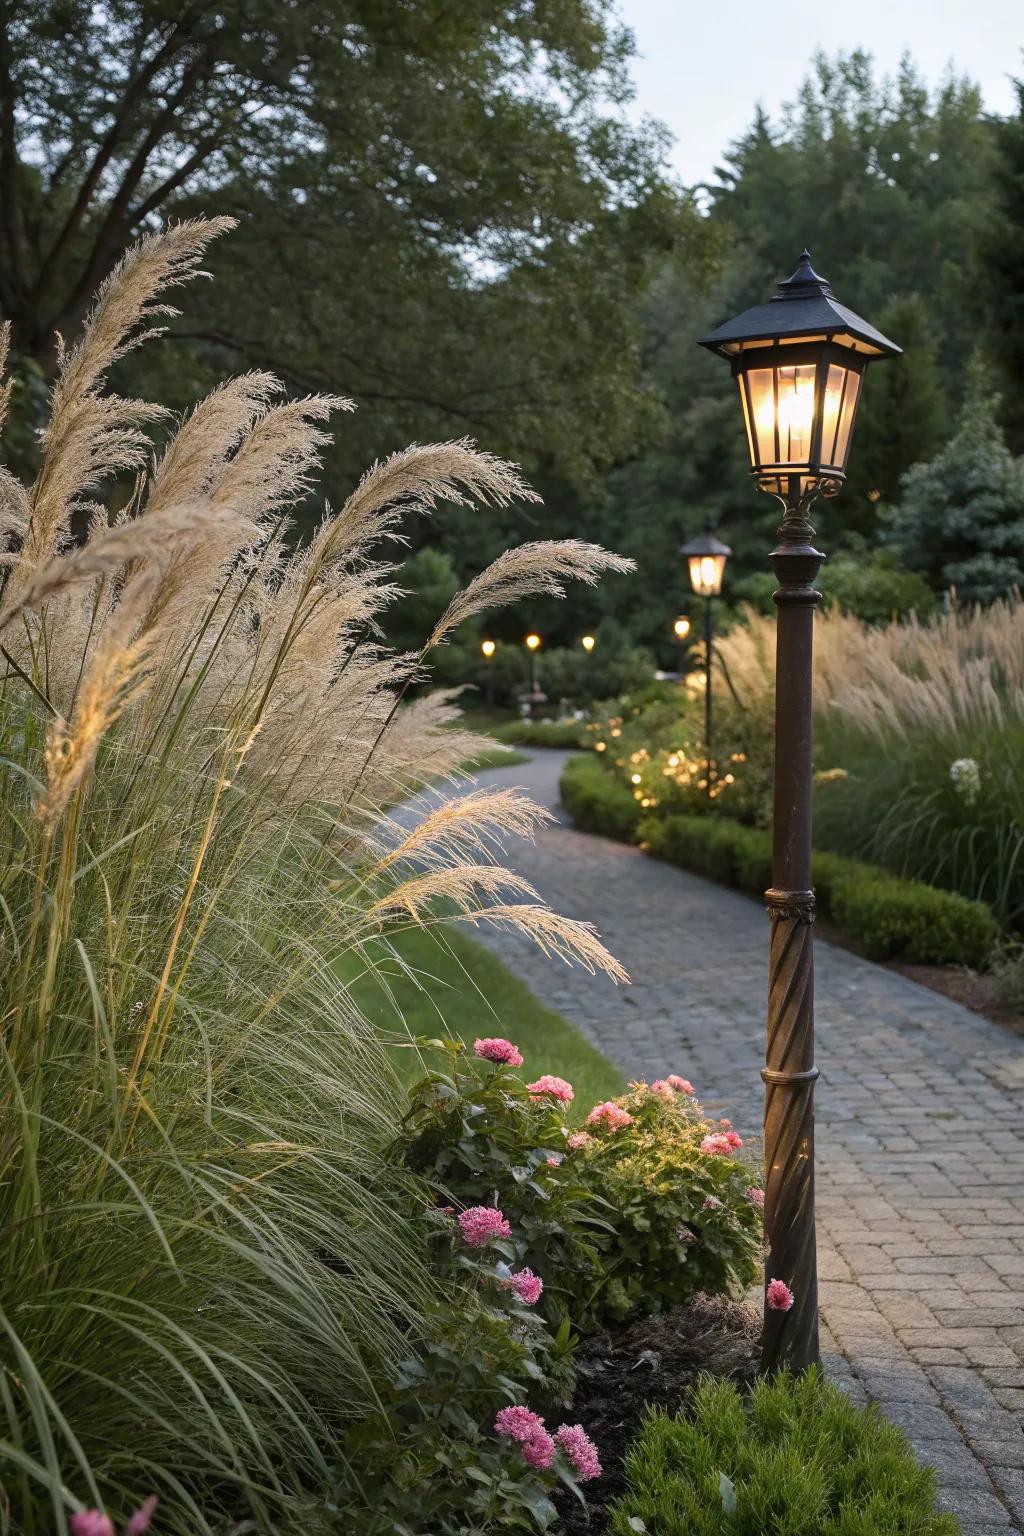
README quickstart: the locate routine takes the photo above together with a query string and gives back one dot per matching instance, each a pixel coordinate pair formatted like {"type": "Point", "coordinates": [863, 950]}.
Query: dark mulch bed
{"type": "Point", "coordinates": [655, 1361]}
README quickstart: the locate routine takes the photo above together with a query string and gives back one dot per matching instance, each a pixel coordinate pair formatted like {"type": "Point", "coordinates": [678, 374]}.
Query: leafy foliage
{"type": "Point", "coordinates": [616, 1225]}
{"type": "Point", "coordinates": [795, 1455]}
{"type": "Point", "coordinates": [961, 517]}
{"type": "Point", "coordinates": [431, 1459]}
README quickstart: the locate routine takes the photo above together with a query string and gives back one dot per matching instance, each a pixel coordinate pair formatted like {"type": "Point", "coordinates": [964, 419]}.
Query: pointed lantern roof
{"type": "Point", "coordinates": [802, 306]}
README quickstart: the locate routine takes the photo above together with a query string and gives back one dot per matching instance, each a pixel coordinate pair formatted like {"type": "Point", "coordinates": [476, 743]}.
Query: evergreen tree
{"type": "Point", "coordinates": [961, 518]}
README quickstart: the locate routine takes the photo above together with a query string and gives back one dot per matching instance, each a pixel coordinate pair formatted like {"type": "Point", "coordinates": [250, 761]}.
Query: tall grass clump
{"type": "Point", "coordinates": [919, 737]}
{"type": "Point", "coordinates": [210, 1256]}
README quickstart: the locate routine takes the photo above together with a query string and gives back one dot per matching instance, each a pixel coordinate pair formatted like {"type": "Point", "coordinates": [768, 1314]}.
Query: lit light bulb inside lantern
{"type": "Point", "coordinates": [532, 642]}
{"type": "Point", "coordinates": [681, 627]}
{"type": "Point", "coordinates": [488, 647]}
{"type": "Point", "coordinates": [588, 642]}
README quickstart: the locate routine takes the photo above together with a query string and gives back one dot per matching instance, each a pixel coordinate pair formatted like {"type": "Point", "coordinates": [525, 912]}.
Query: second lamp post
{"type": "Point", "coordinates": [706, 557]}
{"type": "Point", "coordinates": [799, 362]}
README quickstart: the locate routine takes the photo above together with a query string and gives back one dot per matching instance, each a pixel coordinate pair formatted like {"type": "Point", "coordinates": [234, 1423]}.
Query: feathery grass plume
{"type": "Point", "coordinates": [414, 480]}
{"type": "Point", "coordinates": [567, 938]}
{"type": "Point", "coordinates": [89, 436]}
{"type": "Point", "coordinates": [469, 824]}
{"type": "Point", "coordinates": [529, 571]}
{"type": "Point", "coordinates": [5, 383]}
{"type": "Point", "coordinates": [195, 458]}
{"type": "Point", "coordinates": [153, 538]}
{"type": "Point", "coordinates": [461, 885]}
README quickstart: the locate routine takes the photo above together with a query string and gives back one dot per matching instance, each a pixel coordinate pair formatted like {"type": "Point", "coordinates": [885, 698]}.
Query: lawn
{"type": "Point", "coordinates": [440, 981]}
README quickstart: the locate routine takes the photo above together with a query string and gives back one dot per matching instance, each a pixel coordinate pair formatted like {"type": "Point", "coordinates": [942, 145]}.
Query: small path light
{"type": "Point", "coordinates": [535, 698]}
{"type": "Point", "coordinates": [799, 362]}
{"type": "Point", "coordinates": [488, 647]}
{"type": "Point", "coordinates": [681, 627]}
{"type": "Point", "coordinates": [706, 557]}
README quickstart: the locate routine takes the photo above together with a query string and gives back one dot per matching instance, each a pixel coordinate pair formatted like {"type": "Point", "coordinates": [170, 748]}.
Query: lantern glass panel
{"type": "Point", "coordinates": [841, 393]}
{"type": "Point", "coordinates": [706, 572]}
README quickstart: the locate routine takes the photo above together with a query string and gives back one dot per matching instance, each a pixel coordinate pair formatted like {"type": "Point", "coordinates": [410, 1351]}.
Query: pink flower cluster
{"type": "Point", "coordinates": [555, 1087]}
{"type": "Point", "coordinates": [721, 1144]}
{"type": "Point", "coordinates": [668, 1087]}
{"type": "Point", "coordinates": [779, 1296]}
{"type": "Point", "coordinates": [526, 1284]}
{"type": "Point", "coordinates": [93, 1522]}
{"type": "Point", "coordinates": [479, 1225]}
{"type": "Point", "coordinates": [518, 1423]}
{"type": "Point", "coordinates": [527, 1428]}
{"type": "Point", "coordinates": [498, 1050]}
{"type": "Point", "coordinates": [578, 1140]}
{"type": "Point", "coordinates": [756, 1196]}
{"type": "Point", "coordinates": [581, 1451]}
{"type": "Point", "coordinates": [610, 1114]}
{"type": "Point", "coordinates": [712, 1203]}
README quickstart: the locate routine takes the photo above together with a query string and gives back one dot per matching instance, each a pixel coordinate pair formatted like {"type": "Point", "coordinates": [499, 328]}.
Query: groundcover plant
{"type": "Point", "coordinates": [208, 1270]}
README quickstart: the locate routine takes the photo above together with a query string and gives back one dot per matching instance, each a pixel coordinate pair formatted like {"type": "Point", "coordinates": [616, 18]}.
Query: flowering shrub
{"type": "Point", "coordinates": [681, 1213]}
{"type": "Point", "coordinates": [647, 1206]}
{"type": "Point", "coordinates": [450, 1453]}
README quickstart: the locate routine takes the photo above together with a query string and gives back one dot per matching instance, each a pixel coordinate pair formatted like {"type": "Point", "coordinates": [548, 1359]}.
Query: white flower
{"type": "Point", "coordinates": [966, 776]}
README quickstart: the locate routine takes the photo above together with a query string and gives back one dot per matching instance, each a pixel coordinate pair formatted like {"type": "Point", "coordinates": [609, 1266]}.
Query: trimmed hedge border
{"type": "Point", "coordinates": [890, 918]}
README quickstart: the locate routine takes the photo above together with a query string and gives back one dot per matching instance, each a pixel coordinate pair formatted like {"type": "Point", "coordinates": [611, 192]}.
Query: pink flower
{"type": "Point", "coordinates": [91, 1522]}
{"type": "Point", "coordinates": [756, 1196]}
{"type": "Point", "coordinates": [526, 1285]}
{"type": "Point", "coordinates": [779, 1296]}
{"type": "Point", "coordinates": [680, 1084]}
{"type": "Point", "coordinates": [557, 1087]}
{"type": "Point", "coordinates": [578, 1140]}
{"type": "Point", "coordinates": [610, 1114]}
{"type": "Point", "coordinates": [724, 1123]}
{"type": "Point", "coordinates": [140, 1521]}
{"type": "Point", "coordinates": [553, 1162]}
{"type": "Point", "coordinates": [734, 1141]}
{"type": "Point", "coordinates": [539, 1450]}
{"type": "Point", "coordinates": [580, 1450]}
{"type": "Point", "coordinates": [518, 1423]}
{"type": "Point", "coordinates": [664, 1088]}
{"type": "Point", "coordinates": [499, 1050]}
{"type": "Point", "coordinates": [481, 1224]}
{"type": "Point", "coordinates": [717, 1145]}
{"type": "Point", "coordinates": [712, 1203]}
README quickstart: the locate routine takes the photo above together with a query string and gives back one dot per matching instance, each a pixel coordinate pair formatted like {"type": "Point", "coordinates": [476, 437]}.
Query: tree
{"type": "Point", "coordinates": [961, 520]}
{"type": "Point", "coordinates": [1004, 257]}
{"type": "Point", "coordinates": [424, 190]}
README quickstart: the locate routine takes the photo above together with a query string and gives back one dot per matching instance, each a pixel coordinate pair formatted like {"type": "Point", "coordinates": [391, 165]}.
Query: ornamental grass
{"type": "Point", "coordinates": [208, 1264]}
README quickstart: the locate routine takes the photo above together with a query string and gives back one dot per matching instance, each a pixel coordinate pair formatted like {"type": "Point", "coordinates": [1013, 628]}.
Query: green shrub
{"type": "Point", "coordinates": [905, 920]}
{"type": "Point", "coordinates": [891, 918]}
{"type": "Point", "coordinates": [596, 800]}
{"type": "Point", "coordinates": [614, 1220]}
{"type": "Point", "coordinates": [795, 1456]}
{"type": "Point", "coordinates": [541, 733]}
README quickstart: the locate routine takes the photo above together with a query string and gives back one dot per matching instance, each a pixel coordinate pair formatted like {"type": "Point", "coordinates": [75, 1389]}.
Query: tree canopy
{"type": "Point", "coordinates": [444, 212]}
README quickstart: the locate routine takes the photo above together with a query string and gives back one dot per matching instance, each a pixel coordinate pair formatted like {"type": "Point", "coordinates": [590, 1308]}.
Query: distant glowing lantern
{"type": "Point", "coordinates": [681, 627]}
{"type": "Point", "coordinates": [532, 642]}
{"type": "Point", "coordinates": [706, 557]}
{"type": "Point", "coordinates": [588, 642]}
{"type": "Point", "coordinates": [488, 647]}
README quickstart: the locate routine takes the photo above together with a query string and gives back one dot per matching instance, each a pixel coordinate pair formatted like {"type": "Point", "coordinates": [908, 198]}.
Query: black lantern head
{"type": "Point", "coordinates": [799, 361]}
{"type": "Point", "coordinates": [706, 557]}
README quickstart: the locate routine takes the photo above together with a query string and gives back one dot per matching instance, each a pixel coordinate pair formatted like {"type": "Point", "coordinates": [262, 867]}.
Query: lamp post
{"type": "Point", "coordinates": [488, 648]}
{"type": "Point", "coordinates": [535, 697]}
{"type": "Point", "coordinates": [799, 362]}
{"type": "Point", "coordinates": [706, 557]}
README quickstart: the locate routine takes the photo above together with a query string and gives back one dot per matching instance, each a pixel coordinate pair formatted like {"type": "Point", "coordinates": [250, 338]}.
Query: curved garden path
{"type": "Point", "coordinates": [919, 1129]}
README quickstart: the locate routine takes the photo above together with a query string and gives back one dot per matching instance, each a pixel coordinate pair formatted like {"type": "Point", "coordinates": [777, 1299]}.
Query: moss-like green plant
{"type": "Point", "coordinates": [795, 1456]}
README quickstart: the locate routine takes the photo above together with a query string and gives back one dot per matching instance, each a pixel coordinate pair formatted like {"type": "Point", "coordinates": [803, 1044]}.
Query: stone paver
{"type": "Point", "coordinates": [919, 1130]}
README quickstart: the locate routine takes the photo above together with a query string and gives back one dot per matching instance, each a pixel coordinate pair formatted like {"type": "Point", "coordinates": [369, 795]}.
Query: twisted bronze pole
{"type": "Point", "coordinates": [790, 1337]}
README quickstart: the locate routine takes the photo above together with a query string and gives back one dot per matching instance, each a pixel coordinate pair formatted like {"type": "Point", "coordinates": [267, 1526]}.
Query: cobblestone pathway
{"type": "Point", "coordinates": [920, 1136]}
